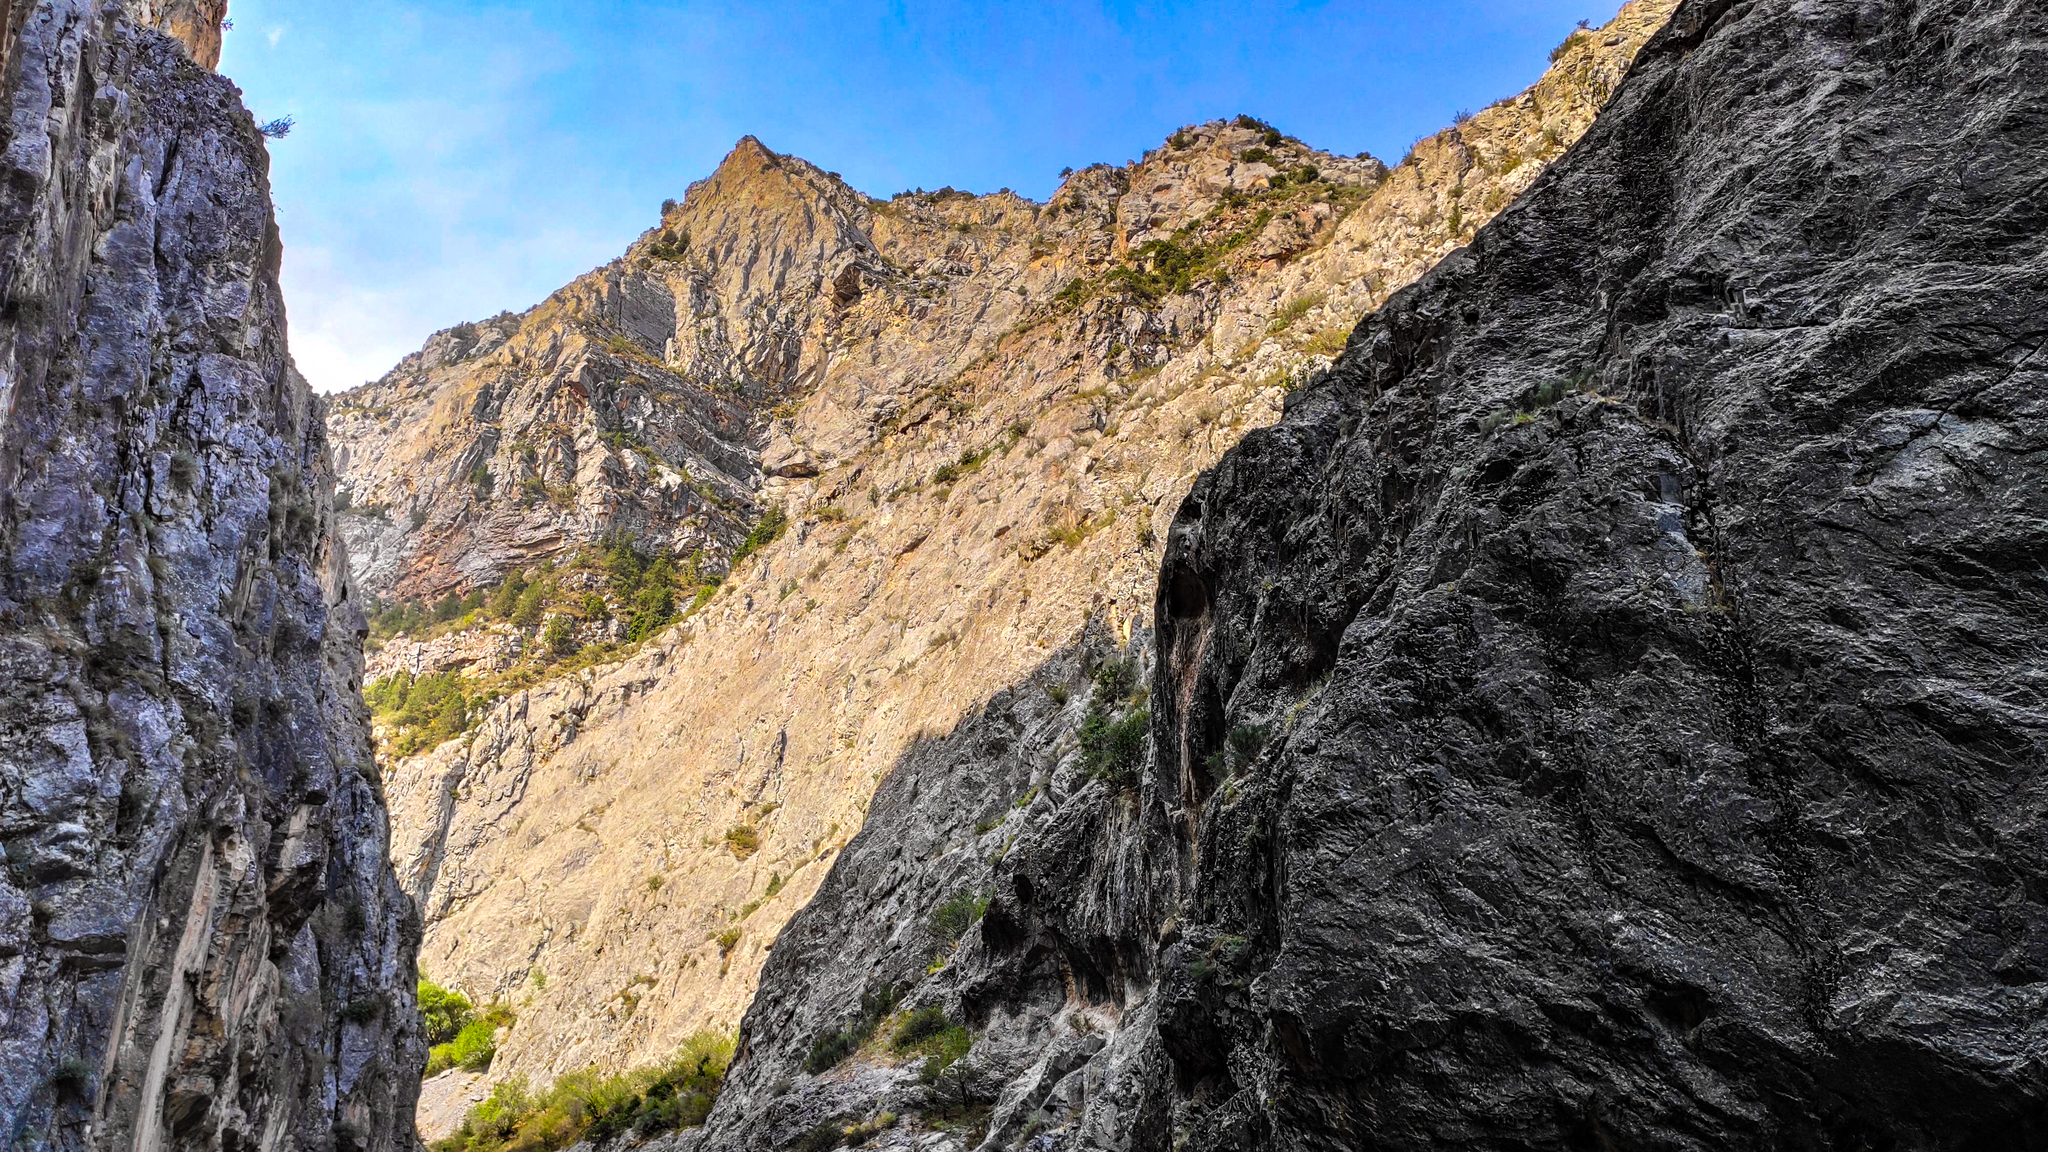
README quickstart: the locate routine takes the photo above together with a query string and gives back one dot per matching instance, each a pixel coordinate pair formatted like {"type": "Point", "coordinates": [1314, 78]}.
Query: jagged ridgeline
{"type": "Point", "coordinates": [678, 566]}
{"type": "Point", "coordinates": [202, 945]}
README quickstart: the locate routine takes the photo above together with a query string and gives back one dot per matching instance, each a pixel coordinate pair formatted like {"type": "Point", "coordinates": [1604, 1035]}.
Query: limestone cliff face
{"type": "Point", "coordinates": [1602, 712]}
{"type": "Point", "coordinates": [777, 325]}
{"type": "Point", "coordinates": [980, 414]}
{"type": "Point", "coordinates": [201, 942]}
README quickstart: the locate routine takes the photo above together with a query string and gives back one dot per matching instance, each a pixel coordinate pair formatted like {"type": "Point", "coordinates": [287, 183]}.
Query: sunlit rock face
{"type": "Point", "coordinates": [979, 414]}
{"type": "Point", "coordinates": [201, 941]}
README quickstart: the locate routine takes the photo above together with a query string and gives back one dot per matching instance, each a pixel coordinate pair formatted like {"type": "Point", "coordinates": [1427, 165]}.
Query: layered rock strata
{"type": "Point", "coordinates": [1604, 711]}
{"type": "Point", "coordinates": [201, 941]}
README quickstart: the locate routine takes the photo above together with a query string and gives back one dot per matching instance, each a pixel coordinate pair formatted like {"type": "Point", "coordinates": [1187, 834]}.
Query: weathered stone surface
{"type": "Point", "coordinates": [1635, 640]}
{"type": "Point", "coordinates": [994, 469]}
{"type": "Point", "coordinates": [1665, 766]}
{"type": "Point", "coordinates": [203, 944]}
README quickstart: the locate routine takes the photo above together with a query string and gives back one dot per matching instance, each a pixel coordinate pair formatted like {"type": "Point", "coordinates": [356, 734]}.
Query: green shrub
{"type": "Point", "coordinates": [766, 531]}
{"type": "Point", "coordinates": [1240, 747]}
{"type": "Point", "coordinates": [743, 839]}
{"type": "Point", "coordinates": [1558, 53]}
{"type": "Point", "coordinates": [532, 603]}
{"type": "Point", "coordinates": [1294, 310]}
{"type": "Point", "coordinates": [653, 608]}
{"type": "Point", "coordinates": [559, 637]}
{"type": "Point", "coordinates": [951, 920]}
{"type": "Point", "coordinates": [623, 565]}
{"type": "Point", "coordinates": [920, 1025]}
{"type": "Point", "coordinates": [473, 1046]}
{"type": "Point", "coordinates": [504, 599]}
{"type": "Point", "coordinates": [589, 1106]}
{"type": "Point", "coordinates": [443, 1012]}
{"type": "Point", "coordinates": [830, 1048]}
{"type": "Point", "coordinates": [942, 1051]}
{"type": "Point", "coordinates": [424, 712]}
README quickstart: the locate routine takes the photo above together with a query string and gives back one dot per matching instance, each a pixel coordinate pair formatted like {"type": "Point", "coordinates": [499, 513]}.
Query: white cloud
{"type": "Point", "coordinates": [275, 34]}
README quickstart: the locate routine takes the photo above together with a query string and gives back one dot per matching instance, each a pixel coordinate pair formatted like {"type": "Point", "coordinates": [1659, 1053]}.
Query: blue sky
{"type": "Point", "coordinates": [454, 158]}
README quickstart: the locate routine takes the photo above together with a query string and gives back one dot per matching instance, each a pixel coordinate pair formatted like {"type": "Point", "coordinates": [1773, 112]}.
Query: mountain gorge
{"type": "Point", "coordinates": [1533, 647]}
{"type": "Point", "coordinates": [1602, 711]}
{"type": "Point", "coordinates": [944, 435]}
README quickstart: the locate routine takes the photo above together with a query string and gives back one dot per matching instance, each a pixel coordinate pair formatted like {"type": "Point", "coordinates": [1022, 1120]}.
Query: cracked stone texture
{"type": "Point", "coordinates": [1664, 767]}
{"type": "Point", "coordinates": [202, 945]}
{"type": "Point", "coordinates": [580, 831]}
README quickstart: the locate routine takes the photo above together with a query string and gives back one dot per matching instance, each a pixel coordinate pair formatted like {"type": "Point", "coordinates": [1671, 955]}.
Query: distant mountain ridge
{"type": "Point", "coordinates": [968, 421]}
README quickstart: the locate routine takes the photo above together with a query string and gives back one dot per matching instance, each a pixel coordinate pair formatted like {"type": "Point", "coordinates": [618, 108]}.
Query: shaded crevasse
{"type": "Point", "coordinates": [202, 944]}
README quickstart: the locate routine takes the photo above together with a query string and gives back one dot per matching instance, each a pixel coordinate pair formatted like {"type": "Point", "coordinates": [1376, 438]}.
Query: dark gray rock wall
{"type": "Point", "coordinates": [1053, 980]}
{"type": "Point", "coordinates": [201, 941]}
{"type": "Point", "coordinates": [1648, 611]}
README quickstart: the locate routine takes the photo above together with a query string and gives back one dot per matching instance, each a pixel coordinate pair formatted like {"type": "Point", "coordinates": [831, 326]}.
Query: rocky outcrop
{"type": "Point", "coordinates": [1655, 587]}
{"type": "Point", "coordinates": [985, 414]}
{"type": "Point", "coordinates": [777, 326]}
{"type": "Point", "coordinates": [201, 942]}
{"type": "Point", "coordinates": [1600, 713]}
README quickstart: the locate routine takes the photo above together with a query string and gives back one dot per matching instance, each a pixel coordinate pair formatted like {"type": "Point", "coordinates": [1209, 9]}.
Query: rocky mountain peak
{"type": "Point", "coordinates": [961, 423]}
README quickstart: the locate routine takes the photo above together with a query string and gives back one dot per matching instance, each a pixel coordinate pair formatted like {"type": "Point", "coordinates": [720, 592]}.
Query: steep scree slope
{"type": "Point", "coordinates": [201, 941]}
{"type": "Point", "coordinates": [1660, 586]}
{"type": "Point", "coordinates": [984, 462]}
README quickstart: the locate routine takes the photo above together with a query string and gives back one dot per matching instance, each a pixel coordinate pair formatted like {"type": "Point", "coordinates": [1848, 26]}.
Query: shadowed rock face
{"type": "Point", "coordinates": [201, 941]}
{"type": "Point", "coordinates": [1651, 601]}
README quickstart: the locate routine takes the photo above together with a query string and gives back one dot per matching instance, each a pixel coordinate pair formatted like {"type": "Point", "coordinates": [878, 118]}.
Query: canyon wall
{"type": "Point", "coordinates": [979, 415]}
{"type": "Point", "coordinates": [1603, 712]}
{"type": "Point", "coordinates": [202, 944]}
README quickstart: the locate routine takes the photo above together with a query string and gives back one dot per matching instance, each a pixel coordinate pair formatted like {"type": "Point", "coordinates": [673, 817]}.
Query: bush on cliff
{"type": "Point", "coordinates": [474, 1045]}
{"type": "Point", "coordinates": [591, 1106]}
{"type": "Point", "coordinates": [444, 1012]}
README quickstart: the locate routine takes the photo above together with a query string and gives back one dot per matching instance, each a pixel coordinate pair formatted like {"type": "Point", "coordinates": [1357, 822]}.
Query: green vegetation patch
{"type": "Point", "coordinates": [444, 1012]}
{"type": "Point", "coordinates": [951, 920]}
{"type": "Point", "coordinates": [423, 711]}
{"type": "Point", "coordinates": [590, 1106]}
{"type": "Point", "coordinates": [474, 1042]}
{"type": "Point", "coordinates": [546, 604]}
{"type": "Point", "coordinates": [1113, 732]}
{"type": "Point", "coordinates": [766, 531]}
